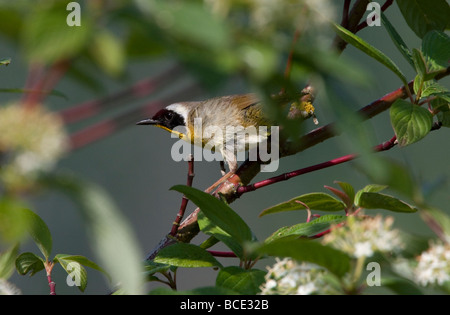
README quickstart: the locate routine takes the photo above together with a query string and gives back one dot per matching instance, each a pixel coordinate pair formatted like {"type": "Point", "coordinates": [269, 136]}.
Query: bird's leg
{"type": "Point", "coordinates": [230, 159]}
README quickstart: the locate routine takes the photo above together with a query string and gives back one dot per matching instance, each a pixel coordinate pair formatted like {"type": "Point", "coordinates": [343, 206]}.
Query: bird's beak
{"type": "Point", "coordinates": [147, 122]}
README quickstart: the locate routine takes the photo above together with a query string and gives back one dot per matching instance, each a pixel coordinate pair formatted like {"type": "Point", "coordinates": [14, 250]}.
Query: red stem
{"type": "Point", "coordinates": [222, 254]}
{"type": "Point", "coordinates": [184, 200]}
{"type": "Point", "coordinates": [244, 189]}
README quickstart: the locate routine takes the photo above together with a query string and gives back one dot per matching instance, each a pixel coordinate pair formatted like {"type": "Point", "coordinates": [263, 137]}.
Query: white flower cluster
{"type": "Point", "coordinates": [31, 140]}
{"type": "Point", "coordinates": [287, 277]}
{"type": "Point", "coordinates": [362, 237]}
{"type": "Point", "coordinates": [433, 265]}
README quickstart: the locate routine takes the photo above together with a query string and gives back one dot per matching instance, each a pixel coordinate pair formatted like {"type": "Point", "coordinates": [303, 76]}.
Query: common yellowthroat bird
{"type": "Point", "coordinates": [222, 114]}
{"type": "Point", "coordinates": [226, 114]}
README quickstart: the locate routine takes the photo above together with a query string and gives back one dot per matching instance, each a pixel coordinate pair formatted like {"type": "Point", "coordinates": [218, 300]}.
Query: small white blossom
{"type": "Point", "coordinates": [287, 277]}
{"type": "Point", "coordinates": [363, 236]}
{"type": "Point", "coordinates": [31, 140]}
{"type": "Point", "coordinates": [433, 265]}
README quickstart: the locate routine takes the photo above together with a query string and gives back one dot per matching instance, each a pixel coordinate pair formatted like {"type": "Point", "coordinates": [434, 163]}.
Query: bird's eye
{"type": "Point", "coordinates": [169, 115]}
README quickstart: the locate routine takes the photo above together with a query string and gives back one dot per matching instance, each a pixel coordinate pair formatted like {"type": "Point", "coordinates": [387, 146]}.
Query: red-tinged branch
{"type": "Point", "coordinates": [137, 90]}
{"type": "Point", "coordinates": [48, 268]}
{"type": "Point", "coordinates": [222, 254]}
{"type": "Point", "coordinates": [41, 81]}
{"type": "Point", "coordinates": [283, 177]}
{"type": "Point", "coordinates": [107, 127]}
{"type": "Point", "coordinates": [184, 200]}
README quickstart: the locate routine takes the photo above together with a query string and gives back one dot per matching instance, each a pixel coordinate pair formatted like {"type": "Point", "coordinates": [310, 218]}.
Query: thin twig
{"type": "Point", "coordinates": [184, 200]}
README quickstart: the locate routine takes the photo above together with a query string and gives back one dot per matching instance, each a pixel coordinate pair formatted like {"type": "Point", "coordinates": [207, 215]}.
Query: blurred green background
{"type": "Point", "coordinates": [135, 167]}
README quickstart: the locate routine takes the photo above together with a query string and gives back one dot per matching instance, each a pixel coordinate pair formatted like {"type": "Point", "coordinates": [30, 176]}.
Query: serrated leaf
{"type": "Point", "coordinates": [207, 227]}
{"type": "Point", "coordinates": [396, 38]}
{"type": "Point", "coordinates": [29, 263]}
{"type": "Point", "coordinates": [410, 122]}
{"type": "Point", "coordinates": [332, 259]}
{"type": "Point", "coordinates": [372, 200]}
{"type": "Point", "coordinates": [240, 280]}
{"type": "Point", "coordinates": [218, 212]}
{"type": "Point", "coordinates": [423, 16]}
{"type": "Point", "coordinates": [307, 229]}
{"type": "Point", "coordinates": [186, 255]}
{"type": "Point", "coordinates": [39, 232]}
{"type": "Point", "coordinates": [371, 51]}
{"type": "Point", "coordinates": [315, 201]}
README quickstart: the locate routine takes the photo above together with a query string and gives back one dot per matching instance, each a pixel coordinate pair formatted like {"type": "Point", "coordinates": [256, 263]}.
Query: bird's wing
{"type": "Point", "coordinates": [244, 101]}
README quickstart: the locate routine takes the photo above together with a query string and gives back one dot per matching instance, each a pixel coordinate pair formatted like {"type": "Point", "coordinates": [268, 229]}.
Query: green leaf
{"type": "Point", "coordinates": [373, 200]}
{"type": "Point", "coordinates": [369, 188]}
{"type": "Point", "coordinates": [395, 176]}
{"type": "Point", "coordinates": [108, 52]}
{"type": "Point", "coordinates": [110, 235]}
{"type": "Point", "coordinates": [419, 62]}
{"type": "Point", "coordinates": [152, 267]}
{"type": "Point", "coordinates": [39, 233]}
{"type": "Point", "coordinates": [436, 48]}
{"type": "Point", "coordinates": [240, 280]}
{"type": "Point", "coordinates": [47, 38]}
{"type": "Point", "coordinates": [315, 201]}
{"type": "Point", "coordinates": [7, 259]}
{"type": "Point", "coordinates": [5, 61]}
{"type": "Point", "coordinates": [306, 229]}
{"type": "Point", "coordinates": [186, 255]}
{"type": "Point", "coordinates": [423, 16]}
{"type": "Point", "coordinates": [398, 41]}
{"type": "Point", "coordinates": [188, 21]}
{"type": "Point", "coordinates": [332, 259]}
{"type": "Point", "coordinates": [64, 259]}
{"type": "Point", "coordinates": [348, 189]}
{"type": "Point", "coordinates": [74, 270]}
{"type": "Point", "coordinates": [218, 212]}
{"type": "Point", "coordinates": [400, 286]}
{"type": "Point", "coordinates": [14, 223]}
{"type": "Point", "coordinates": [410, 122]}
{"type": "Point", "coordinates": [435, 88]}
{"type": "Point", "coordinates": [29, 263]}
{"type": "Point", "coordinates": [207, 227]}
{"type": "Point", "coordinates": [371, 51]}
